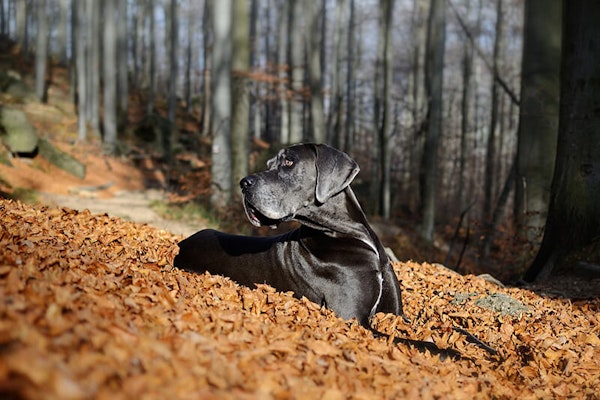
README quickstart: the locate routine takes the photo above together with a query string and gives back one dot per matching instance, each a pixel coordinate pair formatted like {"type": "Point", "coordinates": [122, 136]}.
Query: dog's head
{"type": "Point", "coordinates": [299, 176]}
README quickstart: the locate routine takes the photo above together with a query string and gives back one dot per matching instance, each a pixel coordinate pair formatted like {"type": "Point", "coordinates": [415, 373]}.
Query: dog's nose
{"type": "Point", "coordinates": [248, 182]}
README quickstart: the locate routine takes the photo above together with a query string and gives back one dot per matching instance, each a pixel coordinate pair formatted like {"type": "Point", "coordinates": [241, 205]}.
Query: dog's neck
{"type": "Point", "coordinates": [344, 209]}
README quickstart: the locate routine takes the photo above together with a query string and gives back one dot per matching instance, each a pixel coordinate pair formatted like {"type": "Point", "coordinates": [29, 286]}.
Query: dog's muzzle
{"type": "Point", "coordinates": [256, 217]}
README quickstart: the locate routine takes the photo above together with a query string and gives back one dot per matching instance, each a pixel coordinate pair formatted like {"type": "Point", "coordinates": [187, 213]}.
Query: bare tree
{"type": "Point", "coordinates": [314, 21]}
{"type": "Point", "coordinates": [41, 51]}
{"type": "Point", "coordinates": [538, 116]}
{"type": "Point", "coordinates": [574, 216]}
{"type": "Point", "coordinates": [221, 102]}
{"type": "Point", "coordinates": [78, 9]}
{"type": "Point", "coordinates": [282, 43]}
{"type": "Point", "coordinates": [110, 76]}
{"type": "Point", "coordinates": [93, 34]}
{"type": "Point", "coordinates": [416, 101]}
{"type": "Point", "coordinates": [21, 24]}
{"type": "Point", "coordinates": [3, 19]}
{"type": "Point", "coordinates": [383, 103]}
{"type": "Point", "coordinates": [173, 72]}
{"type": "Point", "coordinates": [240, 111]}
{"type": "Point", "coordinates": [350, 82]}
{"type": "Point", "coordinates": [296, 71]}
{"type": "Point", "coordinates": [434, 75]}
{"type": "Point", "coordinates": [61, 32]}
{"type": "Point", "coordinates": [490, 173]}
{"type": "Point", "coordinates": [122, 65]}
{"type": "Point", "coordinates": [466, 126]}
{"type": "Point", "coordinates": [207, 43]}
{"type": "Point", "coordinates": [188, 58]}
{"type": "Point", "coordinates": [151, 56]}
{"type": "Point", "coordinates": [338, 77]}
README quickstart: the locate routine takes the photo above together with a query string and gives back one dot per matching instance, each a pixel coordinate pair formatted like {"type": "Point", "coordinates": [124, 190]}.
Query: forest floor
{"type": "Point", "coordinates": [91, 307]}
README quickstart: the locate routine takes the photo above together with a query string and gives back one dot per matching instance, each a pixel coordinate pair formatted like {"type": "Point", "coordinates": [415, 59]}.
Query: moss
{"type": "Point", "coordinates": [24, 195]}
{"type": "Point", "coordinates": [189, 212]}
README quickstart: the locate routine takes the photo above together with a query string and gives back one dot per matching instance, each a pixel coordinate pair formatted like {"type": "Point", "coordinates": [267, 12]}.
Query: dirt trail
{"type": "Point", "coordinates": [112, 185]}
{"type": "Point", "coordinates": [126, 204]}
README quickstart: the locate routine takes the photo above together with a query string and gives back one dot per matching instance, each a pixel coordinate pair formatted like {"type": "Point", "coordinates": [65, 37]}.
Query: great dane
{"type": "Point", "coordinates": [334, 258]}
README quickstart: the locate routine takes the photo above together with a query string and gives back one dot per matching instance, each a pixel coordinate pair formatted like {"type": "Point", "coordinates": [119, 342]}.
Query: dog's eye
{"type": "Point", "coordinates": [287, 163]}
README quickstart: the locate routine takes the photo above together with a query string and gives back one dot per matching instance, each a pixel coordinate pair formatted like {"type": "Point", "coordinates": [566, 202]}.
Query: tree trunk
{"type": "Point", "coordinates": [313, 24]}
{"type": "Point", "coordinates": [188, 60]}
{"type": "Point", "coordinates": [207, 81]}
{"type": "Point", "coordinates": [137, 54]}
{"type": "Point", "coordinates": [350, 83]}
{"type": "Point", "coordinates": [221, 102]}
{"type": "Point", "coordinates": [538, 116]}
{"type": "Point", "coordinates": [416, 94]}
{"type": "Point", "coordinates": [240, 110]}
{"type": "Point", "coordinates": [151, 57]}
{"type": "Point", "coordinates": [94, 10]}
{"type": "Point", "coordinates": [173, 72]}
{"type": "Point", "coordinates": [335, 118]}
{"type": "Point", "coordinates": [466, 127]}
{"type": "Point", "coordinates": [255, 98]}
{"type": "Point", "coordinates": [378, 83]}
{"type": "Point", "coordinates": [282, 45]}
{"type": "Point", "coordinates": [78, 9]}
{"type": "Point", "coordinates": [574, 216]}
{"type": "Point", "coordinates": [61, 32]}
{"type": "Point", "coordinates": [490, 170]}
{"type": "Point", "coordinates": [3, 19]}
{"type": "Point", "coordinates": [21, 24]}
{"type": "Point", "coordinates": [385, 129]}
{"type": "Point", "coordinates": [434, 75]}
{"type": "Point", "coordinates": [122, 65]}
{"type": "Point", "coordinates": [110, 76]}
{"type": "Point", "coordinates": [41, 50]}
{"type": "Point", "coordinates": [296, 72]}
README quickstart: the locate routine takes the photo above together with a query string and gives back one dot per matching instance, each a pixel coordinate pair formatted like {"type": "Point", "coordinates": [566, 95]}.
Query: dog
{"type": "Point", "coordinates": [334, 258]}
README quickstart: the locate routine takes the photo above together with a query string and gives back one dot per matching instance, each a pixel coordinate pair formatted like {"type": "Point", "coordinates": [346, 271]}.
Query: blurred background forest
{"type": "Point", "coordinates": [451, 114]}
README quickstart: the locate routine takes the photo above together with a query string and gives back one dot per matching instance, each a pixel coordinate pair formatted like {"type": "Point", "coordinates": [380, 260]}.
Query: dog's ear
{"type": "Point", "coordinates": [335, 171]}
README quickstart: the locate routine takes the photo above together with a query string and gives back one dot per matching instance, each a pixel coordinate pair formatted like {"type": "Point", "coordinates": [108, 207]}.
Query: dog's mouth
{"type": "Point", "coordinates": [259, 219]}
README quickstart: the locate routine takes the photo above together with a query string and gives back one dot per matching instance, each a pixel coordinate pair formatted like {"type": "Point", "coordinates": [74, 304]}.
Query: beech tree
{"type": "Point", "coordinates": [41, 53]}
{"type": "Point", "coordinates": [383, 106]}
{"type": "Point", "coordinates": [538, 116]}
{"type": "Point", "coordinates": [80, 45]}
{"type": "Point", "coordinates": [221, 102]}
{"type": "Point", "coordinates": [574, 215]}
{"type": "Point", "coordinates": [296, 71]}
{"type": "Point", "coordinates": [434, 75]}
{"type": "Point", "coordinates": [240, 111]}
{"type": "Point", "coordinates": [314, 20]}
{"type": "Point", "coordinates": [110, 76]}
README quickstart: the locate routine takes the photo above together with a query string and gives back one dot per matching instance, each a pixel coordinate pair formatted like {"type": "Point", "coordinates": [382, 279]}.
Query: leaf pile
{"type": "Point", "coordinates": [90, 307]}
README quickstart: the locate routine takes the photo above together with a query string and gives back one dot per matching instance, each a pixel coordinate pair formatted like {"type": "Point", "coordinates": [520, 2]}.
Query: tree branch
{"type": "Point", "coordinates": [513, 97]}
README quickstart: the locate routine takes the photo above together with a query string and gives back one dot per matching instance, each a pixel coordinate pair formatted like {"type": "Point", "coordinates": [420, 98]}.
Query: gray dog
{"type": "Point", "coordinates": [334, 258]}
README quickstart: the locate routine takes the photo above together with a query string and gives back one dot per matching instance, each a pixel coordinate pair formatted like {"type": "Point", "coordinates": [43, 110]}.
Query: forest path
{"type": "Point", "coordinates": [130, 205]}
{"type": "Point", "coordinates": [112, 185]}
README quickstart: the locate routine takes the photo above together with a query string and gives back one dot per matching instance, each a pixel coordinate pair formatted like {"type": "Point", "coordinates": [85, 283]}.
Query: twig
{"type": "Point", "coordinates": [514, 98]}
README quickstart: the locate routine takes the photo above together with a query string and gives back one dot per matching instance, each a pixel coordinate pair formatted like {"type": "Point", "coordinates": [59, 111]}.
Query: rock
{"type": "Point", "coordinates": [489, 278]}
{"type": "Point", "coordinates": [17, 132]}
{"type": "Point", "coordinates": [502, 304]}
{"type": "Point", "coordinates": [462, 298]}
{"type": "Point", "coordinates": [11, 83]}
{"type": "Point", "coordinates": [61, 159]}
{"type": "Point", "coordinates": [5, 155]}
